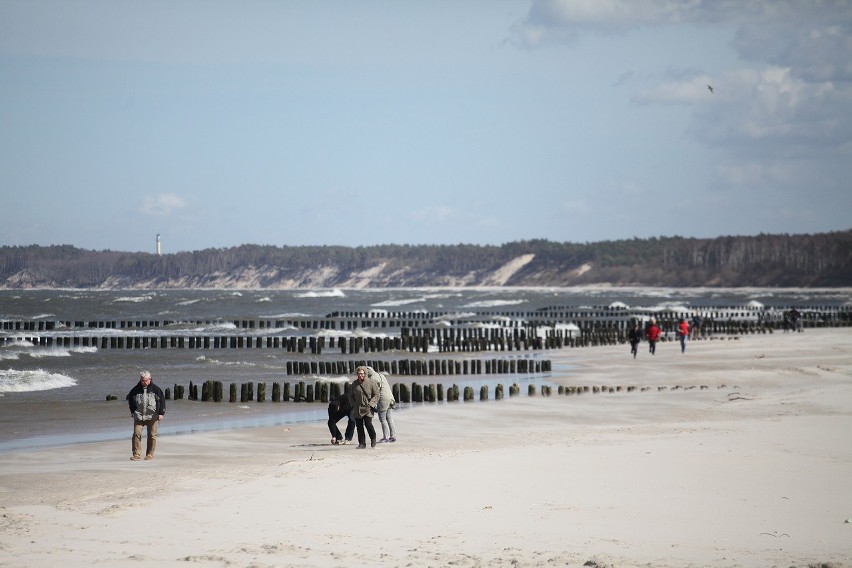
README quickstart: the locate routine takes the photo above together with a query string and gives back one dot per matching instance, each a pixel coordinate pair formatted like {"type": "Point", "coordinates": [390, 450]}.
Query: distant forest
{"type": "Point", "coordinates": [817, 260]}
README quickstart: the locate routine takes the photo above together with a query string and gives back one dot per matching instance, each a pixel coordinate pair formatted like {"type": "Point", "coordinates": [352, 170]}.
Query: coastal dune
{"type": "Point", "coordinates": [736, 453]}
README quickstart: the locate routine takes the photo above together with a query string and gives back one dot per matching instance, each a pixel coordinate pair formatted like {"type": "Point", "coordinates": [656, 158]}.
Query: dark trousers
{"type": "Point", "coordinates": [333, 418]}
{"type": "Point", "coordinates": [360, 423]}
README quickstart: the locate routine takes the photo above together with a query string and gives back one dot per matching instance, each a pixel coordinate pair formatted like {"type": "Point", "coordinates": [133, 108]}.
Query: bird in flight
{"type": "Point", "coordinates": [710, 87]}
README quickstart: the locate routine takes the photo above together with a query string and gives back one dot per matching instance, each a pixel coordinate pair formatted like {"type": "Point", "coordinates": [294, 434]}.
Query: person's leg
{"type": "Point", "coordinates": [384, 422]}
{"type": "Point", "coordinates": [362, 439]}
{"type": "Point", "coordinates": [350, 428]}
{"type": "Point", "coordinates": [389, 418]}
{"type": "Point", "coordinates": [152, 437]}
{"type": "Point", "coordinates": [137, 439]}
{"type": "Point", "coordinates": [333, 417]}
{"type": "Point", "coordinates": [368, 422]}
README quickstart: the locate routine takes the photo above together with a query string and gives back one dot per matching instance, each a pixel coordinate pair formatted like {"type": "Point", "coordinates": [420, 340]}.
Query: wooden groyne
{"type": "Point", "coordinates": [422, 341]}
{"type": "Point", "coordinates": [325, 391]}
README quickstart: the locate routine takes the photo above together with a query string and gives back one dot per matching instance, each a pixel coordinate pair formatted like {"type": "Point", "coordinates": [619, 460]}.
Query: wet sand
{"type": "Point", "coordinates": [736, 453]}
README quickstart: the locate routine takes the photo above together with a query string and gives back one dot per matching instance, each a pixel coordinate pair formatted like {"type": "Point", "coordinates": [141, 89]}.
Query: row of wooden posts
{"type": "Point", "coordinates": [324, 391]}
{"type": "Point", "coordinates": [450, 341]}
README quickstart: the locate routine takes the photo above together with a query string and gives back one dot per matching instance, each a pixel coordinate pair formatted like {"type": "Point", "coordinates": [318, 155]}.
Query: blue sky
{"type": "Point", "coordinates": [368, 122]}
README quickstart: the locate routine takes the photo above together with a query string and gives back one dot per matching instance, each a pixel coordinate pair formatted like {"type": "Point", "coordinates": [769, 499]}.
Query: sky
{"type": "Point", "coordinates": [356, 123]}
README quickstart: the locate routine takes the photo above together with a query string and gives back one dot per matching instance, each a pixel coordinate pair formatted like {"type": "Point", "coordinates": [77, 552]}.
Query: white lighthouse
{"type": "Point", "coordinates": [159, 252]}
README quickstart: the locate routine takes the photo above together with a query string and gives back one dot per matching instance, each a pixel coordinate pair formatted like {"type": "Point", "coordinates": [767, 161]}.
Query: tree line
{"type": "Point", "coordinates": [809, 260]}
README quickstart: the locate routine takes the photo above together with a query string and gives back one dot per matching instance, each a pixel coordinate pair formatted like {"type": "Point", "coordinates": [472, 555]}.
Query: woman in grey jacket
{"type": "Point", "coordinates": [386, 403]}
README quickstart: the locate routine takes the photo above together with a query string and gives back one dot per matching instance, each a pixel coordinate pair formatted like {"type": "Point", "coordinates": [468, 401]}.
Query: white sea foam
{"type": "Point", "coordinates": [14, 351]}
{"type": "Point", "coordinates": [285, 316]}
{"type": "Point", "coordinates": [397, 303]}
{"type": "Point", "coordinates": [33, 380]}
{"type": "Point", "coordinates": [494, 303]}
{"type": "Point", "coordinates": [134, 299]}
{"type": "Point", "coordinates": [335, 293]}
{"type": "Point", "coordinates": [218, 363]}
{"type": "Point", "coordinates": [60, 351]}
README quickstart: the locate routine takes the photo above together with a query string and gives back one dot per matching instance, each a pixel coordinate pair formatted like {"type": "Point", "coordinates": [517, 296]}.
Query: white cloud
{"type": "Point", "coordinates": [555, 21]}
{"type": "Point", "coordinates": [576, 206]}
{"type": "Point", "coordinates": [439, 213]}
{"type": "Point", "coordinates": [783, 117]}
{"type": "Point", "coordinates": [162, 204]}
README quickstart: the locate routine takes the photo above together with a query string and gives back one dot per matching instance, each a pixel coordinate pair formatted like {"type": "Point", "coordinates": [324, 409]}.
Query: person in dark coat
{"type": "Point", "coordinates": [147, 407]}
{"type": "Point", "coordinates": [634, 335]}
{"type": "Point", "coordinates": [337, 409]}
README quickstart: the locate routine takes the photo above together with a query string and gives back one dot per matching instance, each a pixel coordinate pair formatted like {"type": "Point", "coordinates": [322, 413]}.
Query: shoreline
{"type": "Point", "coordinates": [752, 470]}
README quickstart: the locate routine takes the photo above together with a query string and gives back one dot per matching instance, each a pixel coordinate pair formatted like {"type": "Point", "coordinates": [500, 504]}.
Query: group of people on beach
{"type": "Point", "coordinates": [369, 394]}
{"type": "Point", "coordinates": [652, 334]}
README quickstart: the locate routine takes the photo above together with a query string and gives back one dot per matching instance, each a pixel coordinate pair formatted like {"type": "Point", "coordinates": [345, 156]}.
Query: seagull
{"type": "Point", "coordinates": [711, 88]}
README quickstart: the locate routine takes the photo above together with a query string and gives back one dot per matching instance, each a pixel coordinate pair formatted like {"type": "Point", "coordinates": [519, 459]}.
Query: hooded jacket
{"type": "Point", "coordinates": [146, 403]}
{"type": "Point", "coordinates": [386, 399]}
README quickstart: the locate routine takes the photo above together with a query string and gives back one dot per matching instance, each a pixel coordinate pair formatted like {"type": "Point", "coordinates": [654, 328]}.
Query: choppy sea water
{"type": "Point", "coordinates": [53, 395]}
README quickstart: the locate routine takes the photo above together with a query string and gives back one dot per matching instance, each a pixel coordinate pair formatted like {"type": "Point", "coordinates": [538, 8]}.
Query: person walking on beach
{"type": "Point", "coordinates": [652, 334]}
{"type": "Point", "coordinates": [337, 409]}
{"type": "Point", "coordinates": [147, 407]}
{"type": "Point", "coordinates": [634, 336]}
{"type": "Point", "coordinates": [696, 326]}
{"type": "Point", "coordinates": [682, 334]}
{"type": "Point", "coordinates": [385, 407]}
{"type": "Point", "coordinates": [795, 316]}
{"type": "Point", "coordinates": [363, 396]}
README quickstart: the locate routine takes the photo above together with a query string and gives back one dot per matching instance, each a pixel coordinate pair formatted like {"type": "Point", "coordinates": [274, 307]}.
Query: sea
{"type": "Point", "coordinates": [56, 395]}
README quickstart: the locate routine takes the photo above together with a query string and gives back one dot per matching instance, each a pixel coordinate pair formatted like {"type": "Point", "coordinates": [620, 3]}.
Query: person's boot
{"type": "Point", "coordinates": [362, 446]}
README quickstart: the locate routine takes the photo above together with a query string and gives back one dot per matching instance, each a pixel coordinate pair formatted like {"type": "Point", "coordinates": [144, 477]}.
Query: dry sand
{"type": "Point", "coordinates": [753, 470]}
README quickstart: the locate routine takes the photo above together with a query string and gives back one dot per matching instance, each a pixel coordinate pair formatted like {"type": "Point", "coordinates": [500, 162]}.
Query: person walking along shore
{"type": "Point", "coordinates": [147, 407]}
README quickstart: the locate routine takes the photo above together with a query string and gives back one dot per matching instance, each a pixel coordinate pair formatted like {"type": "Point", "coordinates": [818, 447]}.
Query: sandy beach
{"type": "Point", "coordinates": [736, 453]}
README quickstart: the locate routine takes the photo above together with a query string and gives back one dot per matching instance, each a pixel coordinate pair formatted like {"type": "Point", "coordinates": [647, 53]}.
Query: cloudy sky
{"type": "Point", "coordinates": [368, 122]}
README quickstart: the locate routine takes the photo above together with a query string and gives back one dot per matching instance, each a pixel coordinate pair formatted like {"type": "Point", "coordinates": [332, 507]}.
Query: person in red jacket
{"type": "Point", "coordinates": [652, 334]}
{"type": "Point", "coordinates": [682, 334]}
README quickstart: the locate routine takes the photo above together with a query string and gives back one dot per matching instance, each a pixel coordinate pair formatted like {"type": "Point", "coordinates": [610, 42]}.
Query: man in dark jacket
{"type": "Point", "coordinates": [364, 396]}
{"type": "Point", "coordinates": [337, 409]}
{"type": "Point", "coordinates": [147, 407]}
{"type": "Point", "coordinates": [635, 337]}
